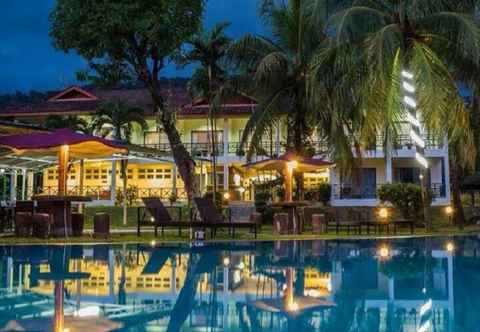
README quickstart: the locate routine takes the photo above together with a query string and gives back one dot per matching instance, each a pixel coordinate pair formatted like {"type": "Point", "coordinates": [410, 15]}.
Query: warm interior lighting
{"type": "Point", "coordinates": [226, 196]}
{"type": "Point", "coordinates": [241, 190]}
{"type": "Point", "coordinates": [237, 179]}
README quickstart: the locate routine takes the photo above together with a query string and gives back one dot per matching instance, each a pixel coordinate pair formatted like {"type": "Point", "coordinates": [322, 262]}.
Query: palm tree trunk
{"type": "Point", "coordinates": [181, 156]}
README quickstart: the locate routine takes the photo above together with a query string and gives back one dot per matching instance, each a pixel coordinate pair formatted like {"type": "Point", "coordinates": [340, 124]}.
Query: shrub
{"type": "Point", "coordinates": [131, 194]}
{"type": "Point", "coordinates": [406, 197]}
{"type": "Point", "coordinates": [324, 193]}
{"type": "Point", "coordinates": [261, 200]}
{"type": "Point", "coordinates": [219, 201]}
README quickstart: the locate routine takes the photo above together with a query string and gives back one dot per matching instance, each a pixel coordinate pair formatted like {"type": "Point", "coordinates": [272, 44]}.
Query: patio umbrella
{"type": "Point", "coordinates": [64, 143]}
{"type": "Point", "coordinates": [286, 164]}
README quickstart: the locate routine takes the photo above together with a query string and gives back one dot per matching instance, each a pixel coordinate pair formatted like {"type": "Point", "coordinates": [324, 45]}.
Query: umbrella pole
{"type": "Point", "coordinates": [289, 289]}
{"type": "Point", "coordinates": [288, 183]}
{"type": "Point", "coordinates": [58, 318]}
{"type": "Point", "coordinates": [63, 157]}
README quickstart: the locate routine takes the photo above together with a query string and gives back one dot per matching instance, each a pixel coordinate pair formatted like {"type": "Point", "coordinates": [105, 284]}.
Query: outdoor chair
{"type": "Point", "coordinates": [78, 220]}
{"type": "Point", "coordinates": [340, 219]}
{"type": "Point", "coordinates": [155, 214]}
{"type": "Point", "coordinates": [24, 206]}
{"type": "Point", "coordinates": [210, 216]}
{"type": "Point", "coordinates": [41, 225]}
{"type": "Point", "coordinates": [101, 225]}
{"type": "Point", "coordinates": [23, 224]}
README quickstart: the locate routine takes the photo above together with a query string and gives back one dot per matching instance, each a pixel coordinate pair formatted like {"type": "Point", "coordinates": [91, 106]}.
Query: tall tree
{"type": "Point", "coordinates": [132, 40]}
{"type": "Point", "coordinates": [209, 49]}
{"type": "Point", "coordinates": [429, 38]}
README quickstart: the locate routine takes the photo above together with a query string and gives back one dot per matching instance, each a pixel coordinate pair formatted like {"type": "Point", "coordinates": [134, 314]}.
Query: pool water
{"type": "Point", "coordinates": [422, 284]}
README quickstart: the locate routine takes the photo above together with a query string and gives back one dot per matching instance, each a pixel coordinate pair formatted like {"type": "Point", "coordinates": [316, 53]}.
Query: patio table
{"type": "Point", "coordinates": [293, 216]}
{"type": "Point", "coordinates": [60, 207]}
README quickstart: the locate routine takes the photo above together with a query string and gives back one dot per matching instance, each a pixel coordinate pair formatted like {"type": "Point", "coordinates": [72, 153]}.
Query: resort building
{"type": "Point", "coordinates": [153, 173]}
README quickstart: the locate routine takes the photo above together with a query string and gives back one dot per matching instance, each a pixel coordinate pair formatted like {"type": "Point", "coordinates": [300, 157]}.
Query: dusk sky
{"type": "Point", "coordinates": [29, 62]}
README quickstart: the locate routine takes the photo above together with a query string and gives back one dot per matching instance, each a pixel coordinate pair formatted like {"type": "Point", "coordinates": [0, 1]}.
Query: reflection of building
{"type": "Point", "coordinates": [159, 178]}
{"type": "Point", "coordinates": [366, 290]}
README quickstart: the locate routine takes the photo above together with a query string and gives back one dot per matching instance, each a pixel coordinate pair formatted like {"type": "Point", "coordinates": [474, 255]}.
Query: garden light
{"type": "Point", "coordinates": [383, 213]}
{"type": "Point", "coordinates": [449, 210]}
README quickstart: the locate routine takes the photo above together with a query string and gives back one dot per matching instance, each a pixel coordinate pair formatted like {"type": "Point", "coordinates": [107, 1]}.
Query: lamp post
{"type": "Point", "coordinates": [416, 134]}
{"type": "Point", "coordinates": [449, 212]}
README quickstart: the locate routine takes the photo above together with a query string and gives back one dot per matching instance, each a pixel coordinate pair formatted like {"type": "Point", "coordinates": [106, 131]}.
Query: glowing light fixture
{"type": "Point", "coordinates": [241, 190]}
{"type": "Point", "coordinates": [408, 87]}
{"type": "Point", "coordinates": [291, 165]}
{"type": "Point", "coordinates": [226, 261]}
{"type": "Point", "coordinates": [449, 210]}
{"type": "Point", "coordinates": [421, 159]}
{"type": "Point", "coordinates": [409, 101]}
{"type": "Point", "coordinates": [226, 196]}
{"type": "Point", "coordinates": [407, 74]}
{"type": "Point", "coordinates": [384, 252]}
{"type": "Point", "coordinates": [153, 243]}
{"type": "Point", "coordinates": [383, 213]}
{"type": "Point", "coordinates": [417, 139]}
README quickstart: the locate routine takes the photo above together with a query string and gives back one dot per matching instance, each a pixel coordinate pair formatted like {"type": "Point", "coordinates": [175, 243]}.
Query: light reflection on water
{"type": "Point", "coordinates": [366, 285]}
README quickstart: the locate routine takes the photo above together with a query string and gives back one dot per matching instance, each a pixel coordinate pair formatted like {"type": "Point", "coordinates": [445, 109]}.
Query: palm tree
{"type": "Point", "coordinates": [69, 121]}
{"type": "Point", "coordinates": [210, 50]}
{"type": "Point", "coordinates": [431, 39]}
{"type": "Point", "coordinates": [119, 119]}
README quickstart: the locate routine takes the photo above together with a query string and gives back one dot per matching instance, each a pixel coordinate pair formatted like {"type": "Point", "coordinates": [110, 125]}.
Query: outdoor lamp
{"type": "Point", "coordinates": [383, 213]}
{"type": "Point", "coordinates": [291, 165]}
{"type": "Point", "coordinates": [449, 212]}
{"type": "Point", "coordinates": [241, 190]}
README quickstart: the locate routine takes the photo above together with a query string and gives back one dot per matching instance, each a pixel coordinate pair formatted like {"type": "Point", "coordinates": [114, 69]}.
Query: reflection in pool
{"type": "Point", "coordinates": [367, 285]}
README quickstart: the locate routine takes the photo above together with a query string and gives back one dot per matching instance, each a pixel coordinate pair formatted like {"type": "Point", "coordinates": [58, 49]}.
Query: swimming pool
{"type": "Point", "coordinates": [421, 284]}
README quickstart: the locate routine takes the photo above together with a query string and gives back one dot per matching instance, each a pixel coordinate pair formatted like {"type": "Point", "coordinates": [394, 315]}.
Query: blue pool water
{"type": "Point", "coordinates": [396, 285]}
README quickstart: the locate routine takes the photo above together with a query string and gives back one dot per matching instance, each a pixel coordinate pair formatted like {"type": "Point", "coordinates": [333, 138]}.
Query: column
{"type": "Point", "coordinates": [173, 277]}
{"type": "Point", "coordinates": [226, 137]}
{"type": "Point", "coordinates": [174, 180]}
{"type": "Point", "coordinates": [24, 184]}
{"type": "Point", "coordinates": [277, 139]}
{"type": "Point", "coordinates": [333, 184]}
{"type": "Point", "coordinates": [113, 184]}
{"type": "Point", "coordinates": [225, 177]}
{"type": "Point", "coordinates": [13, 185]}
{"type": "Point", "coordinates": [30, 185]}
{"type": "Point", "coordinates": [388, 169]}
{"type": "Point", "coordinates": [20, 279]}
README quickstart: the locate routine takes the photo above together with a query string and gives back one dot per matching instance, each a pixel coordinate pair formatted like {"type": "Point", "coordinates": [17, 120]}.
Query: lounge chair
{"type": "Point", "coordinates": [156, 215]}
{"type": "Point", "coordinates": [210, 216]}
{"type": "Point", "coordinates": [342, 219]}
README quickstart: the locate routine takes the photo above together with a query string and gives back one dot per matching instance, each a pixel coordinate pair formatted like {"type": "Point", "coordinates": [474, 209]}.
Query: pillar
{"type": "Point", "coordinates": [226, 137]}
{"type": "Point", "coordinates": [10, 274]}
{"type": "Point", "coordinates": [13, 185]}
{"type": "Point", "coordinates": [173, 277]}
{"type": "Point", "coordinates": [30, 185]}
{"type": "Point", "coordinates": [23, 194]}
{"type": "Point", "coordinates": [63, 157]}
{"type": "Point", "coordinates": [174, 180]}
{"type": "Point", "coordinates": [388, 169]}
{"type": "Point", "coordinates": [226, 176]}
{"type": "Point", "coordinates": [277, 139]}
{"type": "Point", "coordinates": [113, 183]}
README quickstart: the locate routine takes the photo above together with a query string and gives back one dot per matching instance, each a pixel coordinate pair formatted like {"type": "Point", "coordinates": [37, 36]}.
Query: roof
{"type": "Point", "coordinates": [76, 100]}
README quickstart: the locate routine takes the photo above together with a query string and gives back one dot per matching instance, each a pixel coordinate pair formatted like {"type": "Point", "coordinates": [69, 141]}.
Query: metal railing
{"type": "Point", "coordinates": [348, 191]}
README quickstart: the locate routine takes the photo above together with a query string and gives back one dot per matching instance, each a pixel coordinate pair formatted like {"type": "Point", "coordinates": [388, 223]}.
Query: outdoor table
{"type": "Point", "coordinates": [61, 209]}
{"type": "Point", "coordinates": [293, 216]}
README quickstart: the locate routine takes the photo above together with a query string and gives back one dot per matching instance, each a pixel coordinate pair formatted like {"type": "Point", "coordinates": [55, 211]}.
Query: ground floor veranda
{"type": "Point", "coordinates": [154, 178]}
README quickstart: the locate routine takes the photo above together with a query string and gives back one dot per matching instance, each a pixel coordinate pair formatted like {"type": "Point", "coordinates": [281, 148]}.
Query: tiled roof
{"type": "Point", "coordinates": [85, 100]}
